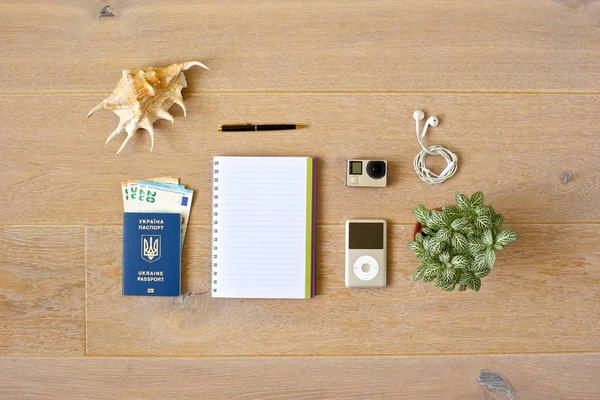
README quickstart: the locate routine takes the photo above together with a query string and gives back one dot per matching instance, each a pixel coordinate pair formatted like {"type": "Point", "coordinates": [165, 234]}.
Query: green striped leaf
{"type": "Point", "coordinates": [477, 199]}
{"type": "Point", "coordinates": [424, 257]}
{"type": "Point", "coordinates": [490, 257]}
{"type": "Point", "coordinates": [476, 245]}
{"type": "Point", "coordinates": [462, 202]}
{"type": "Point", "coordinates": [497, 220]}
{"type": "Point", "coordinates": [483, 221]}
{"type": "Point", "coordinates": [427, 231]}
{"type": "Point", "coordinates": [436, 218]}
{"type": "Point", "coordinates": [483, 210]}
{"type": "Point", "coordinates": [447, 275]}
{"type": "Point", "coordinates": [459, 223]}
{"type": "Point", "coordinates": [459, 242]}
{"type": "Point", "coordinates": [435, 247]}
{"type": "Point", "coordinates": [462, 288]}
{"type": "Point", "coordinates": [468, 231]}
{"type": "Point", "coordinates": [421, 254]}
{"type": "Point", "coordinates": [443, 235]}
{"type": "Point", "coordinates": [506, 237]}
{"type": "Point", "coordinates": [483, 273]}
{"type": "Point", "coordinates": [451, 212]}
{"type": "Point", "coordinates": [419, 272]}
{"type": "Point", "coordinates": [475, 284]}
{"type": "Point", "coordinates": [458, 274]}
{"type": "Point", "coordinates": [414, 246]}
{"type": "Point", "coordinates": [446, 220]}
{"type": "Point", "coordinates": [421, 214]}
{"type": "Point", "coordinates": [487, 238]}
{"type": "Point", "coordinates": [447, 286]}
{"type": "Point", "coordinates": [461, 262]}
{"type": "Point", "coordinates": [419, 238]}
{"type": "Point", "coordinates": [428, 278]}
{"type": "Point", "coordinates": [466, 278]}
{"type": "Point", "coordinates": [445, 257]}
{"type": "Point", "coordinates": [427, 242]}
{"type": "Point", "coordinates": [432, 269]}
{"type": "Point", "coordinates": [480, 262]}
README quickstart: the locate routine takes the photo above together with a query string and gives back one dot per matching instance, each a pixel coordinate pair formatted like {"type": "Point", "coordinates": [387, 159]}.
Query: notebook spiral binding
{"type": "Point", "coordinates": [215, 228]}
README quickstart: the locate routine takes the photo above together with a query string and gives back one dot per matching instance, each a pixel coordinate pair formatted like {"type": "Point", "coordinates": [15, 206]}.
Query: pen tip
{"type": "Point", "coordinates": [301, 126]}
{"type": "Point", "coordinates": [220, 128]}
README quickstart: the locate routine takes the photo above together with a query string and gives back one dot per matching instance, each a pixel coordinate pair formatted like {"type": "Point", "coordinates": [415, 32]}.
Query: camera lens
{"type": "Point", "coordinates": [376, 169]}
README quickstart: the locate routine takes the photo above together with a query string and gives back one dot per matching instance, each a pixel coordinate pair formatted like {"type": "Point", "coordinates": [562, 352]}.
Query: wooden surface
{"type": "Point", "coordinates": [415, 45]}
{"type": "Point", "coordinates": [42, 290]}
{"type": "Point", "coordinates": [523, 377]}
{"type": "Point", "coordinates": [516, 84]}
{"type": "Point", "coordinates": [505, 148]}
{"type": "Point", "coordinates": [529, 304]}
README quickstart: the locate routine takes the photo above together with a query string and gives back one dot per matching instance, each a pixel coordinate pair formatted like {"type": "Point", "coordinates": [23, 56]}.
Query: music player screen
{"type": "Point", "coordinates": [365, 235]}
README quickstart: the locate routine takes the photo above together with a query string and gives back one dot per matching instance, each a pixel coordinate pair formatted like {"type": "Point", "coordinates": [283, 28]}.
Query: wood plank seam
{"type": "Point", "coordinates": [193, 92]}
{"type": "Point", "coordinates": [85, 292]}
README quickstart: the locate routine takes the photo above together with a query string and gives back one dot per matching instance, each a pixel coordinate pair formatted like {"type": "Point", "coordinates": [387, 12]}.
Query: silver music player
{"type": "Point", "coordinates": [366, 245]}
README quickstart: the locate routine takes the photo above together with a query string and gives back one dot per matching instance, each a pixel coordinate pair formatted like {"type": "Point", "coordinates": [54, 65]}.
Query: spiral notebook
{"type": "Point", "coordinates": [263, 227]}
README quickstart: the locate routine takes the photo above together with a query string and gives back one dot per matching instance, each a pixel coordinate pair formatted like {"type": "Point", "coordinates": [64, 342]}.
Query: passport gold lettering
{"type": "Point", "coordinates": [147, 224]}
{"type": "Point", "coordinates": [150, 276]}
{"type": "Point", "coordinates": [151, 221]}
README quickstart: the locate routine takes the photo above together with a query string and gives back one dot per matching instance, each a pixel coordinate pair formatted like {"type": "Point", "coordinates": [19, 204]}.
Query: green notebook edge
{"type": "Point", "coordinates": [309, 228]}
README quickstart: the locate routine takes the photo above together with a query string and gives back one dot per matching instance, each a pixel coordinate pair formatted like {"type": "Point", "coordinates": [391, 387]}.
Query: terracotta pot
{"type": "Point", "coordinates": [418, 228]}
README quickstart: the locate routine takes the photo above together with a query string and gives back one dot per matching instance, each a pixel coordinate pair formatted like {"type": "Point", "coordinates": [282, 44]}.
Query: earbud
{"type": "Point", "coordinates": [418, 116]}
{"type": "Point", "coordinates": [431, 121]}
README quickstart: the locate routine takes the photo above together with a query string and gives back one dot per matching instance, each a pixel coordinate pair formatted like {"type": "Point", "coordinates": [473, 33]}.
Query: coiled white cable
{"type": "Point", "coordinates": [435, 150]}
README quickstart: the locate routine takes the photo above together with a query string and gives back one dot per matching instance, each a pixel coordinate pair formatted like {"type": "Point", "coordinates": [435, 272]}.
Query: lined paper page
{"type": "Point", "coordinates": [259, 221]}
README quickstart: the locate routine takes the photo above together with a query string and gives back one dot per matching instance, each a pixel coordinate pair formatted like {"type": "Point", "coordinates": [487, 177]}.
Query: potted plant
{"type": "Point", "coordinates": [457, 245]}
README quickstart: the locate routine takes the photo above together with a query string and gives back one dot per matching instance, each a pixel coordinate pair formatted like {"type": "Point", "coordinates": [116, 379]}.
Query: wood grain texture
{"type": "Point", "coordinates": [516, 148]}
{"type": "Point", "coordinates": [354, 71]}
{"type": "Point", "coordinates": [522, 377]}
{"type": "Point", "coordinates": [417, 45]}
{"type": "Point", "coordinates": [42, 290]}
{"type": "Point", "coordinates": [542, 297]}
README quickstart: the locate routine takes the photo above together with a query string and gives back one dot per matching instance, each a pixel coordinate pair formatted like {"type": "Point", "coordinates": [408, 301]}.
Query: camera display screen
{"type": "Point", "coordinates": [355, 167]}
{"type": "Point", "coordinates": [365, 235]}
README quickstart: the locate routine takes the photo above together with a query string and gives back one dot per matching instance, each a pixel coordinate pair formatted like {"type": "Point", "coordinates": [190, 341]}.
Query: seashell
{"type": "Point", "coordinates": [145, 95]}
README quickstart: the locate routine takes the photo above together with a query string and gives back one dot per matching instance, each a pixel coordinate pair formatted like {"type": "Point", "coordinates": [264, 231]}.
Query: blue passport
{"type": "Point", "coordinates": [151, 254]}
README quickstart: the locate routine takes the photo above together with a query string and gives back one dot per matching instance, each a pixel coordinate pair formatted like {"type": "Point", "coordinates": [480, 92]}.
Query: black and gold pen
{"type": "Point", "coordinates": [251, 127]}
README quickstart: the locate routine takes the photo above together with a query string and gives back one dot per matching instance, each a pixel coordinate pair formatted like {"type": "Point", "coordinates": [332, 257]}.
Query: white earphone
{"type": "Point", "coordinates": [431, 121]}
{"type": "Point", "coordinates": [419, 162]}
